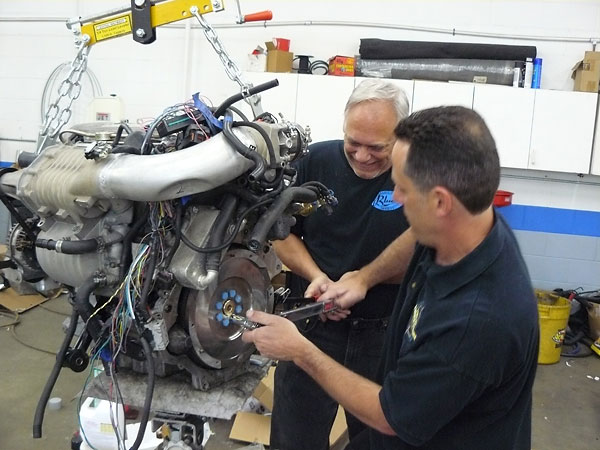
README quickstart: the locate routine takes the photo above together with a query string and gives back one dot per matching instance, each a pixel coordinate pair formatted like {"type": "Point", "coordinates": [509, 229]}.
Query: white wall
{"type": "Point", "coordinates": [181, 62]}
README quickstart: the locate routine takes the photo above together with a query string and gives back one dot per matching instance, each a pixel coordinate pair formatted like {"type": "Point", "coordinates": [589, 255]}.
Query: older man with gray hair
{"type": "Point", "coordinates": [322, 249]}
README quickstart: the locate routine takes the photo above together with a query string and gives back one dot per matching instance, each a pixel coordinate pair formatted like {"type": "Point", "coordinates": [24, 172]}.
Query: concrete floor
{"type": "Point", "coordinates": [566, 412]}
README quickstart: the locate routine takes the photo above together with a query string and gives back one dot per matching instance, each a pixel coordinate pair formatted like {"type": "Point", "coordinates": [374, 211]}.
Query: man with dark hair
{"type": "Point", "coordinates": [462, 344]}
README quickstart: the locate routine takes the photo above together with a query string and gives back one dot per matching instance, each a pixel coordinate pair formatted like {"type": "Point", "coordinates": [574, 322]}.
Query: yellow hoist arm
{"type": "Point", "coordinates": [120, 22]}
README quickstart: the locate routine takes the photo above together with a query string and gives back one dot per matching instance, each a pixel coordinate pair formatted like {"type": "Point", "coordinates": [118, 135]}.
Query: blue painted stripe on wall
{"type": "Point", "coordinates": [552, 220]}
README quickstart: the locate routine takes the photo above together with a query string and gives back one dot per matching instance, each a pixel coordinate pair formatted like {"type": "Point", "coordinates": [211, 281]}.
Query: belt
{"type": "Point", "coordinates": [363, 324]}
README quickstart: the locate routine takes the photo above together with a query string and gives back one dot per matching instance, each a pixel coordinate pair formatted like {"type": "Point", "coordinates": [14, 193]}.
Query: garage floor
{"type": "Point", "coordinates": [566, 412]}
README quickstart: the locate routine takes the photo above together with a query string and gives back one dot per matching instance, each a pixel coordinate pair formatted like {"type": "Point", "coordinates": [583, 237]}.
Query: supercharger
{"type": "Point", "coordinates": [164, 230]}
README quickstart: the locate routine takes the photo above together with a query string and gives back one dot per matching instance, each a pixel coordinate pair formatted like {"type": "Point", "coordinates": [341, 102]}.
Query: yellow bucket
{"type": "Point", "coordinates": [553, 313]}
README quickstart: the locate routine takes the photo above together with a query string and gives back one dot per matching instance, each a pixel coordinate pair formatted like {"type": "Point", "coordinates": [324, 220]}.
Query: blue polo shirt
{"type": "Point", "coordinates": [461, 352]}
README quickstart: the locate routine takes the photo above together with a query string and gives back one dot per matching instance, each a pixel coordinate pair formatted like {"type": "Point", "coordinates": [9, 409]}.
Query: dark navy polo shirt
{"type": "Point", "coordinates": [365, 221]}
{"type": "Point", "coordinates": [461, 352]}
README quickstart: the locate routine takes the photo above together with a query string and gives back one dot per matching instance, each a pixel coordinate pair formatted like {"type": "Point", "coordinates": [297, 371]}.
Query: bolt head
{"type": "Point", "coordinates": [140, 33]}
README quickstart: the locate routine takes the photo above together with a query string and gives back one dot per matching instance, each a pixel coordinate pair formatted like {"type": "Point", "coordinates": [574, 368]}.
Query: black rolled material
{"type": "Point", "coordinates": [60, 358]}
{"type": "Point", "coordinates": [259, 234]}
{"type": "Point", "coordinates": [237, 97]}
{"type": "Point", "coordinates": [69, 247]}
{"type": "Point", "coordinates": [388, 49]}
{"type": "Point", "coordinates": [149, 394]}
{"type": "Point", "coordinates": [259, 162]}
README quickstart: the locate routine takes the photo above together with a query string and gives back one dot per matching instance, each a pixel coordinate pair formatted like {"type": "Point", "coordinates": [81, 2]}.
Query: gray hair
{"type": "Point", "coordinates": [373, 89]}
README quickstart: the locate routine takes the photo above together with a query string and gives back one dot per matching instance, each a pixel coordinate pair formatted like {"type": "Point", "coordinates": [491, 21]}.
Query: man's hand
{"type": "Point", "coordinates": [317, 286]}
{"type": "Point", "coordinates": [278, 338]}
{"type": "Point", "coordinates": [348, 291]}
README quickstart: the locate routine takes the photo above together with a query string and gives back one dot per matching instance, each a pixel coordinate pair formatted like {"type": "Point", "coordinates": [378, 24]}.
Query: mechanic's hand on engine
{"type": "Point", "coordinates": [346, 292]}
{"type": "Point", "coordinates": [278, 338]}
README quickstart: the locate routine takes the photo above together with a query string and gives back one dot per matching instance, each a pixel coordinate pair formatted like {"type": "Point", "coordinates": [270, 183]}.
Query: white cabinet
{"type": "Point", "coordinates": [406, 85]}
{"type": "Point", "coordinates": [320, 104]}
{"type": "Point", "coordinates": [562, 131]}
{"type": "Point", "coordinates": [429, 94]}
{"type": "Point", "coordinates": [508, 113]}
{"type": "Point", "coordinates": [595, 170]}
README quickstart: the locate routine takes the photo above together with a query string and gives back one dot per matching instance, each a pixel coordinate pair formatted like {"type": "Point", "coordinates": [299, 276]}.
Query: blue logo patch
{"type": "Point", "coordinates": [383, 201]}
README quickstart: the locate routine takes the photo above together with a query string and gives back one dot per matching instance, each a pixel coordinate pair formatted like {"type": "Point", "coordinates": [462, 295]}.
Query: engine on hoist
{"type": "Point", "coordinates": [162, 233]}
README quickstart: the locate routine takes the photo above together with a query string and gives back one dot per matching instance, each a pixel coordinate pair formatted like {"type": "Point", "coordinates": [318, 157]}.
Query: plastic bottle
{"type": "Point", "coordinates": [518, 74]}
{"type": "Point", "coordinates": [528, 72]}
{"type": "Point", "coordinates": [536, 79]}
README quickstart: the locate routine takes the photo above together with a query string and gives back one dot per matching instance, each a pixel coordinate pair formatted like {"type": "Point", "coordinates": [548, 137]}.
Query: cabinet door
{"type": "Point", "coordinates": [596, 151]}
{"type": "Point", "coordinates": [406, 85]}
{"type": "Point", "coordinates": [428, 94]}
{"type": "Point", "coordinates": [562, 131]}
{"type": "Point", "coordinates": [320, 104]}
{"type": "Point", "coordinates": [508, 112]}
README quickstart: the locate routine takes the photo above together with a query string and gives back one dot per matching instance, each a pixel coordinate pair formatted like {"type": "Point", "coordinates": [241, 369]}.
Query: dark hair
{"type": "Point", "coordinates": [451, 146]}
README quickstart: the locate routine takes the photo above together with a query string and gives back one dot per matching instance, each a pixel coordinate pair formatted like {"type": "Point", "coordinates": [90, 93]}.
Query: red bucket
{"type": "Point", "coordinates": [502, 198]}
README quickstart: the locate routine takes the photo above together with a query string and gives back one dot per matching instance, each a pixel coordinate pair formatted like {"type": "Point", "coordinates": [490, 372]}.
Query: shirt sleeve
{"type": "Point", "coordinates": [423, 394]}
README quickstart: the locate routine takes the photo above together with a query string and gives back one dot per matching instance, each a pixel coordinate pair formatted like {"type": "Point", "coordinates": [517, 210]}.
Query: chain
{"type": "Point", "coordinates": [231, 69]}
{"type": "Point", "coordinates": [70, 89]}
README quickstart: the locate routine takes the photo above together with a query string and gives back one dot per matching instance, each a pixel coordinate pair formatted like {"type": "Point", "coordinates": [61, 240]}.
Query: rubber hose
{"type": "Point", "coordinates": [259, 234]}
{"type": "Point", "coordinates": [68, 247]}
{"type": "Point", "coordinates": [149, 394]}
{"type": "Point", "coordinates": [237, 97]}
{"type": "Point", "coordinates": [128, 239]}
{"type": "Point", "coordinates": [259, 161]}
{"type": "Point", "coordinates": [38, 419]}
{"type": "Point", "coordinates": [265, 136]}
{"type": "Point", "coordinates": [218, 231]}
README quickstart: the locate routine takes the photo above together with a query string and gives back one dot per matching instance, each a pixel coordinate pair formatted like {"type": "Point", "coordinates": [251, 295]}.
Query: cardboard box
{"type": "Point", "coordinates": [341, 66]}
{"type": "Point", "coordinates": [586, 73]}
{"type": "Point", "coordinates": [252, 427]}
{"type": "Point", "coordinates": [278, 60]}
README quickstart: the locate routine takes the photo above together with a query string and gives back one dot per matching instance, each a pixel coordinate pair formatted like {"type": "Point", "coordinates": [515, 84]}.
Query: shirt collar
{"type": "Point", "coordinates": [444, 280]}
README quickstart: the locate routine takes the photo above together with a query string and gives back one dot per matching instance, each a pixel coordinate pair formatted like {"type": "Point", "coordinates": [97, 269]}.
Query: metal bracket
{"type": "Point", "coordinates": [141, 22]}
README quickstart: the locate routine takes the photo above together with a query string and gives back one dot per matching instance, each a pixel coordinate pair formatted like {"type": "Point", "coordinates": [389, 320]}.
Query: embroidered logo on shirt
{"type": "Point", "coordinates": [411, 330]}
{"type": "Point", "coordinates": [384, 202]}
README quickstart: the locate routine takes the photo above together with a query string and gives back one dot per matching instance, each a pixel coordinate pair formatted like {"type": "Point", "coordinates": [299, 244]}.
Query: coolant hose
{"type": "Point", "coordinates": [69, 247]}
{"type": "Point", "coordinates": [237, 97]}
{"type": "Point", "coordinates": [265, 136]}
{"type": "Point", "coordinates": [259, 161]}
{"type": "Point", "coordinates": [259, 234]}
{"type": "Point", "coordinates": [38, 419]}
{"type": "Point", "coordinates": [149, 394]}
{"type": "Point", "coordinates": [218, 230]}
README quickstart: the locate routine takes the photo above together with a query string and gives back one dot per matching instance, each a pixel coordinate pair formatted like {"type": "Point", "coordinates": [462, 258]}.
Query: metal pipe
{"type": "Point", "coordinates": [335, 23]}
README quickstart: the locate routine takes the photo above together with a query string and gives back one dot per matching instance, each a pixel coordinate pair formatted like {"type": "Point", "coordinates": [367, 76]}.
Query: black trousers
{"type": "Point", "coordinates": [303, 413]}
